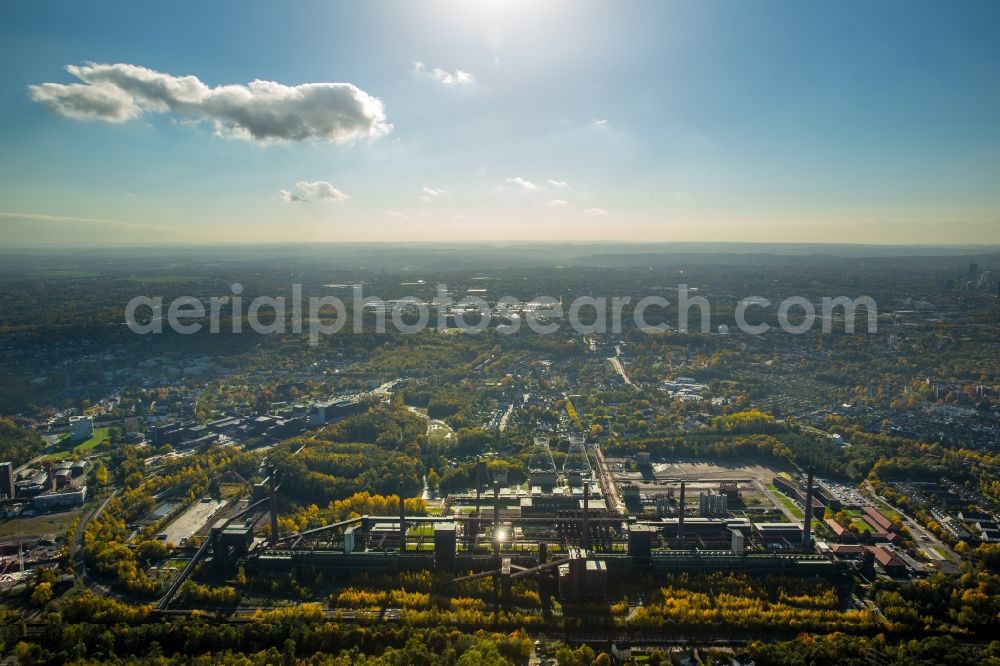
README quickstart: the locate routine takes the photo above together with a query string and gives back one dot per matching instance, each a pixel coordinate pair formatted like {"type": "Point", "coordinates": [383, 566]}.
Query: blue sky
{"type": "Point", "coordinates": [864, 122]}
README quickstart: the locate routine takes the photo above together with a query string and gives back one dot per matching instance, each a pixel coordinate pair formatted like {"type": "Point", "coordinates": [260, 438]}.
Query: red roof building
{"type": "Point", "coordinates": [839, 530]}
{"type": "Point", "coordinates": [889, 561]}
{"type": "Point", "coordinates": [876, 519]}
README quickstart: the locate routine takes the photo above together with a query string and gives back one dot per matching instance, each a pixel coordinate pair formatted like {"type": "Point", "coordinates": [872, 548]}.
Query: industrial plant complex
{"type": "Point", "coordinates": [577, 528]}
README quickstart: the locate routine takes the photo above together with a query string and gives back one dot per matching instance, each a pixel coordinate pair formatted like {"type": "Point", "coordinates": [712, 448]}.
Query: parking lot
{"type": "Point", "coordinates": [847, 495]}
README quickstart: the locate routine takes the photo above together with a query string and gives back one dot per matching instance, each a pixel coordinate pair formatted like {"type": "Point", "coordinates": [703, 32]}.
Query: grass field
{"type": "Point", "coordinates": [100, 434]}
{"type": "Point", "coordinates": [795, 511]}
{"type": "Point", "coordinates": [438, 431]}
{"type": "Point", "coordinates": [232, 491]}
{"type": "Point", "coordinates": [34, 526]}
{"type": "Point", "coordinates": [789, 504]}
{"type": "Point", "coordinates": [421, 530]}
{"type": "Point", "coordinates": [861, 527]}
{"type": "Point", "coordinates": [890, 513]}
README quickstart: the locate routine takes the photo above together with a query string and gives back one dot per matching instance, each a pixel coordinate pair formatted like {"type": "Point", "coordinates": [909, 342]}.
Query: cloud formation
{"type": "Point", "coordinates": [561, 184]}
{"type": "Point", "coordinates": [596, 211]}
{"type": "Point", "coordinates": [457, 78]}
{"type": "Point", "coordinates": [319, 191]}
{"type": "Point", "coordinates": [523, 184]}
{"type": "Point", "coordinates": [430, 194]}
{"type": "Point", "coordinates": [69, 219]}
{"type": "Point", "coordinates": [263, 111]}
{"type": "Point", "coordinates": [557, 203]}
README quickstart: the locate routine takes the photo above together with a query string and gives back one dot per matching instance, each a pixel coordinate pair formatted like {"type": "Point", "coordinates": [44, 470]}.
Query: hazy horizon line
{"type": "Point", "coordinates": [584, 249]}
{"type": "Point", "coordinates": [525, 241]}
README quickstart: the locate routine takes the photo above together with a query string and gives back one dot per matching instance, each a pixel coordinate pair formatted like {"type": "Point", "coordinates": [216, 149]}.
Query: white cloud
{"type": "Point", "coordinates": [69, 219]}
{"type": "Point", "coordinates": [319, 190]}
{"type": "Point", "coordinates": [398, 215]}
{"type": "Point", "coordinates": [561, 184]}
{"type": "Point", "coordinates": [457, 78]}
{"type": "Point", "coordinates": [87, 102]}
{"type": "Point", "coordinates": [600, 121]}
{"type": "Point", "coordinates": [430, 194]}
{"type": "Point", "coordinates": [557, 203]}
{"type": "Point", "coordinates": [263, 111]}
{"type": "Point", "coordinates": [596, 211]}
{"type": "Point", "coordinates": [523, 184]}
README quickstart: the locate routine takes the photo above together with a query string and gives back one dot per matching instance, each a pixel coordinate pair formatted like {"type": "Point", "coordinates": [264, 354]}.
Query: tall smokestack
{"type": "Point", "coordinates": [479, 484]}
{"type": "Point", "coordinates": [807, 521]}
{"type": "Point", "coordinates": [273, 475]}
{"type": "Point", "coordinates": [402, 520]}
{"type": "Point", "coordinates": [680, 515]}
{"type": "Point", "coordinates": [496, 516]}
{"type": "Point", "coordinates": [586, 511]}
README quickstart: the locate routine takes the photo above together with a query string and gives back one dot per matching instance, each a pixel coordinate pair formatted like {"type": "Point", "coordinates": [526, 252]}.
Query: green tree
{"type": "Point", "coordinates": [483, 653]}
{"type": "Point", "coordinates": [42, 594]}
{"type": "Point", "coordinates": [100, 474]}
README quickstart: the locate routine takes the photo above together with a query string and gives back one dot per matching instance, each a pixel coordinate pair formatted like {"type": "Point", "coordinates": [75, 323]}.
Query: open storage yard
{"type": "Point", "coordinates": [752, 481]}
{"type": "Point", "coordinates": [46, 524]}
{"type": "Point", "coordinates": [193, 519]}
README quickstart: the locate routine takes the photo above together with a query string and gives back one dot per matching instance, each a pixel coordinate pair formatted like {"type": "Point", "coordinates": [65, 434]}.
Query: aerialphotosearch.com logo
{"type": "Point", "coordinates": [327, 315]}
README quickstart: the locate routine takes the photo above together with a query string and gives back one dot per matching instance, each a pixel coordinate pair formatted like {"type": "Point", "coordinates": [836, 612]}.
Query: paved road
{"type": "Point", "coordinates": [769, 494]}
{"type": "Point", "coordinates": [620, 369]}
{"type": "Point", "coordinates": [506, 417]}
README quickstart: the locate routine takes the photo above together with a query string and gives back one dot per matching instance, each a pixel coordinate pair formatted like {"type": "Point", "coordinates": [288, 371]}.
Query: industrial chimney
{"type": "Point", "coordinates": [807, 521]}
{"type": "Point", "coordinates": [680, 515]}
{"type": "Point", "coordinates": [273, 477]}
{"type": "Point", "coordinates": [479, 484]}
{"type": "Point", "coordinates": [496, 516]}
{"type": "Point", "coordinates": [402, 520]}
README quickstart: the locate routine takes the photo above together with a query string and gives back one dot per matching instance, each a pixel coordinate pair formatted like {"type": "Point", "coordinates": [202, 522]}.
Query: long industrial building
{"type": "Point", "coordinates": [564, 533]}
{"type": "Point", "coordinates": [574, 540]}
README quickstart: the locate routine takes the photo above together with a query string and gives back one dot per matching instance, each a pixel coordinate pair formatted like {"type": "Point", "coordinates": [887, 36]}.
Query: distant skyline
{"type": "Point", "coordinates": [485, 120]}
